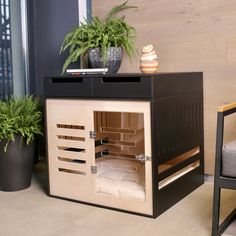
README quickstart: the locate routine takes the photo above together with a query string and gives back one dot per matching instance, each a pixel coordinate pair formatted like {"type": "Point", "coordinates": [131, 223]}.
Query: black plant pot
{"type": "Point", "coordinates": [16, 165]}
{"type": "Point", "coordinates": [114, 58]}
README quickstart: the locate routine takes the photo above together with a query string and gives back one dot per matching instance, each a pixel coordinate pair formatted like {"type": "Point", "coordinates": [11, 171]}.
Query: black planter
{"type": "Point", "coordinates": [114, 58]}
{"type": "Point", "coordinates": [16, 165]}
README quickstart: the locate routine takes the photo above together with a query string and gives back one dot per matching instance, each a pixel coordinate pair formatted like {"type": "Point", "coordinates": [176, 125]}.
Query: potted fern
{"type": "Point", "coordinates": [103, 41]}
{"type": "Point", "coordinates": [20, 123]}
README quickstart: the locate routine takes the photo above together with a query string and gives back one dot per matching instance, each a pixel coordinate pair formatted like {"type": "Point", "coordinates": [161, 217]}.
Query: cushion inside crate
{"type": "Point", "coordinates": [120, 178]}
{"type": "Point", "coordinates": [229, 159]}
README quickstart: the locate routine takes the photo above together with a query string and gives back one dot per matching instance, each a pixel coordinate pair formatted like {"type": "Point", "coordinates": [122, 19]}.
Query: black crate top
{"type": "Point", "coordinates": [122, 85]}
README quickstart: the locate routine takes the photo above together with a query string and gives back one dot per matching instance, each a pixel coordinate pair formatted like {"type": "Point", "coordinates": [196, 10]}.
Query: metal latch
{"type": "Point", "coordinates": [92, 134]}
{"type": "Point", "coordinates": [143, 158]}
{"type": "Point", "coordinates": [94, 170]}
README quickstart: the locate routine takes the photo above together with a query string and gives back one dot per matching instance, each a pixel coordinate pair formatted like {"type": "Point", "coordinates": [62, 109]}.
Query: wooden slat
{"type": "Point", "coordinates": [178, 159]}
{"type": "Point", "coordinates": [101, 148]}
{"type": "Point", "coordinates": [121, 143]}
{"type": "Point", "coordinates": [72, 132]}
{"type": "Point", "coordinates": [71, 155]}
{"type": "Point", "coordinates": [72, 166]}
{"type": "Point", "coordinates": [227, 107]}
{"type": "Point", "coordinates": [71, 143]}
{"type": "Point", "coordinates": [178, 174]}
{"type": "Point", "coordinates": [117, 130]}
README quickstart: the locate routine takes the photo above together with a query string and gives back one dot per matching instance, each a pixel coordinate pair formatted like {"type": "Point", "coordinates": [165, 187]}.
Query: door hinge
{"type": "Point", "coordinates": [143, 158]}
{"type": "Point", "coordinates": [92, 134]}
{"type": "Point", "coordinates": [94, 170]}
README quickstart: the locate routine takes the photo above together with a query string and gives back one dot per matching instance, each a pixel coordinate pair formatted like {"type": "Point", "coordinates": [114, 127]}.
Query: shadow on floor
{"type": "Point", "coordinates": [40, 175]}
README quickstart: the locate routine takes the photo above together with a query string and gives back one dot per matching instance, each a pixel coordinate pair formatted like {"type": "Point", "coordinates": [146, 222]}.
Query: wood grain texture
{"type": "Point", "coordinates": [189, 35]}
{"type": "Point", "coordinates": [227, 107]}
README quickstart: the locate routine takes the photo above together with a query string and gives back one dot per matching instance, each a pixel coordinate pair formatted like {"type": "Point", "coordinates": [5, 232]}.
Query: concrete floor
{"type": "Point", "coordinates": [32, 212]}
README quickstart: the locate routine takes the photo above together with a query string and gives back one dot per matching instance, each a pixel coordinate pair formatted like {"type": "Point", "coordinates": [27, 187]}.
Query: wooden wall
{"type": "Point", "coordinates": [189, 35]}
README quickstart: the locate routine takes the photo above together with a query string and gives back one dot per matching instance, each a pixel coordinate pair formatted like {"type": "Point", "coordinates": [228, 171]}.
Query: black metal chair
{"type": "Point", "coordinates": [225, 170]}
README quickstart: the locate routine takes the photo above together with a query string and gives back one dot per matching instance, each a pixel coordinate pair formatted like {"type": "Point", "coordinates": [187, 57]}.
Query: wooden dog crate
{"type": "Point", "coordinates": [130, 142]}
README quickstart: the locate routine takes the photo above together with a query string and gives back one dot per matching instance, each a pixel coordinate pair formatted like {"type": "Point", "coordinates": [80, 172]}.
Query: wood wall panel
{"type": "Point", "coordinates": [189, 35]}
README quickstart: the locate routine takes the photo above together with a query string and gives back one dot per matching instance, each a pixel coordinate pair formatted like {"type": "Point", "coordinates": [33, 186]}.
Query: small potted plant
{"type": "Point", "coordinates": [102, 40]}
{"type": "Point", "coordinates": [20, 123]}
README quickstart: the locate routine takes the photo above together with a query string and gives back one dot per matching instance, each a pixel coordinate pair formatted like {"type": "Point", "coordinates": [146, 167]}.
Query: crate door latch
{"type": "Point", "coordinates": [92, 134]}
{"type": "Point", "coordinates": [94, 170]}
{"type": "Point", "coordinates": [142, 157]}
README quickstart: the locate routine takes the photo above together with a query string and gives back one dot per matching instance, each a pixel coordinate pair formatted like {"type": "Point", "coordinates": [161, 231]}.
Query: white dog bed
{"type": "Point", "coordinates": [121, 178]}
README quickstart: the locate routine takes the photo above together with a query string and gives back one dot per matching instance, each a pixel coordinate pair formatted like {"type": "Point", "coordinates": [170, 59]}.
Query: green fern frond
{"type": "Point", "coordinates": [114, 31]}
{"type": "Point", "coordinates": [20, 116]}
{"type": "Point", "coordinates": [117, 9]}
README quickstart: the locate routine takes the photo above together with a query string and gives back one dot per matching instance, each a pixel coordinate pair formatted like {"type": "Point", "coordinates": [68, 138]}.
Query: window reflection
{"type": "Point", "coordinates": [6, 80]}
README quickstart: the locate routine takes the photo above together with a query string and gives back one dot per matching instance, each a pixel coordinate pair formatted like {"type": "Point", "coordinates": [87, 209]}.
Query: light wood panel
{"type": "Point", "coordinates": [70, 160]}
{"type": "Point", "coordinates": [189, 35]}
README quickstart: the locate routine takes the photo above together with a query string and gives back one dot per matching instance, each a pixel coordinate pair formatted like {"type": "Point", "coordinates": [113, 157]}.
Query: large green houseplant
{"type": "Point", "coordinates": [113, 32]}
{"type": "Point", "coordinates": [20, 123]}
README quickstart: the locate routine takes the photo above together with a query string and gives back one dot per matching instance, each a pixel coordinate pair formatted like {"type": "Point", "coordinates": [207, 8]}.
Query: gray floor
{"type": "Point", "coordinates": [32, 212]}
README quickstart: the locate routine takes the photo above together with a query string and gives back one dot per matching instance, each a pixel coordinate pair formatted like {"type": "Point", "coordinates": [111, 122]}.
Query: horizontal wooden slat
{"type": "Point", "coordinates": [66, 126]}
{"type": "Point", "coordinates": [101, 148]}
{"type": "Point", "coordinates": [171, 170]}
{"type": "Point", "coordinates": [82, 139]}
{"type": "Point", "coordinates": [122, 155]}
{"type": "Point", "coordinates": [72, 166]}
{"type": "Point", "coordinates": [71, 160]}
{"type": "Point", "coordinates": [121, 143]}
{"type": "Point", "coordinates": [178, 174]}
{"type": "Point", "coordinates": [81, 173]}
{"type": "Point", "coordinates": [71, 155]}
{"type": "Point", "coordinates": [176, 160]}
{"type": "Point", "coordinates": [117, 130]}
{"type": "Point", "coordinates": [71, 143]}
{"type": "Point", "coordinates": [72, 132]}
{"type": "Point", "coordinates": [101, 135]}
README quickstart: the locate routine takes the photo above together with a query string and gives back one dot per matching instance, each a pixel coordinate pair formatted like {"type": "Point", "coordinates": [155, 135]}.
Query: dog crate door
{"type": "Point", "coordinates": [123, 155]}
{"type": "Point", "coordinates": [70, 148]}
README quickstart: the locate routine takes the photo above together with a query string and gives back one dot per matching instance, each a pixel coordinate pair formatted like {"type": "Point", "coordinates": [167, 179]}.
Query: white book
{"type": "Point", "coordinates": [87, 71]}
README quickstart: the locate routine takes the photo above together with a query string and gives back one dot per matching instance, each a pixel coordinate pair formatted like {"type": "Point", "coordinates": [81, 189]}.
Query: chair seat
{"type": "Point", "coordinates": [229, 159]}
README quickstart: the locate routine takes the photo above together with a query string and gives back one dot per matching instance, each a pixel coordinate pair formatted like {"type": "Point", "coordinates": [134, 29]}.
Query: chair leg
{"type": "Point", "coordinates": [216, 210]}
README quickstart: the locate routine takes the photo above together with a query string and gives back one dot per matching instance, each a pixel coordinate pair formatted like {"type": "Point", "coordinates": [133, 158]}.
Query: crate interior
{"type": "Point", "coordinates": [119, 138]}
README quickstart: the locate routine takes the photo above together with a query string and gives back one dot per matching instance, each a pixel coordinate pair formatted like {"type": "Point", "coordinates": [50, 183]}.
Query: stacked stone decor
{"type": "Point", "coordinates": [148, 62]}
